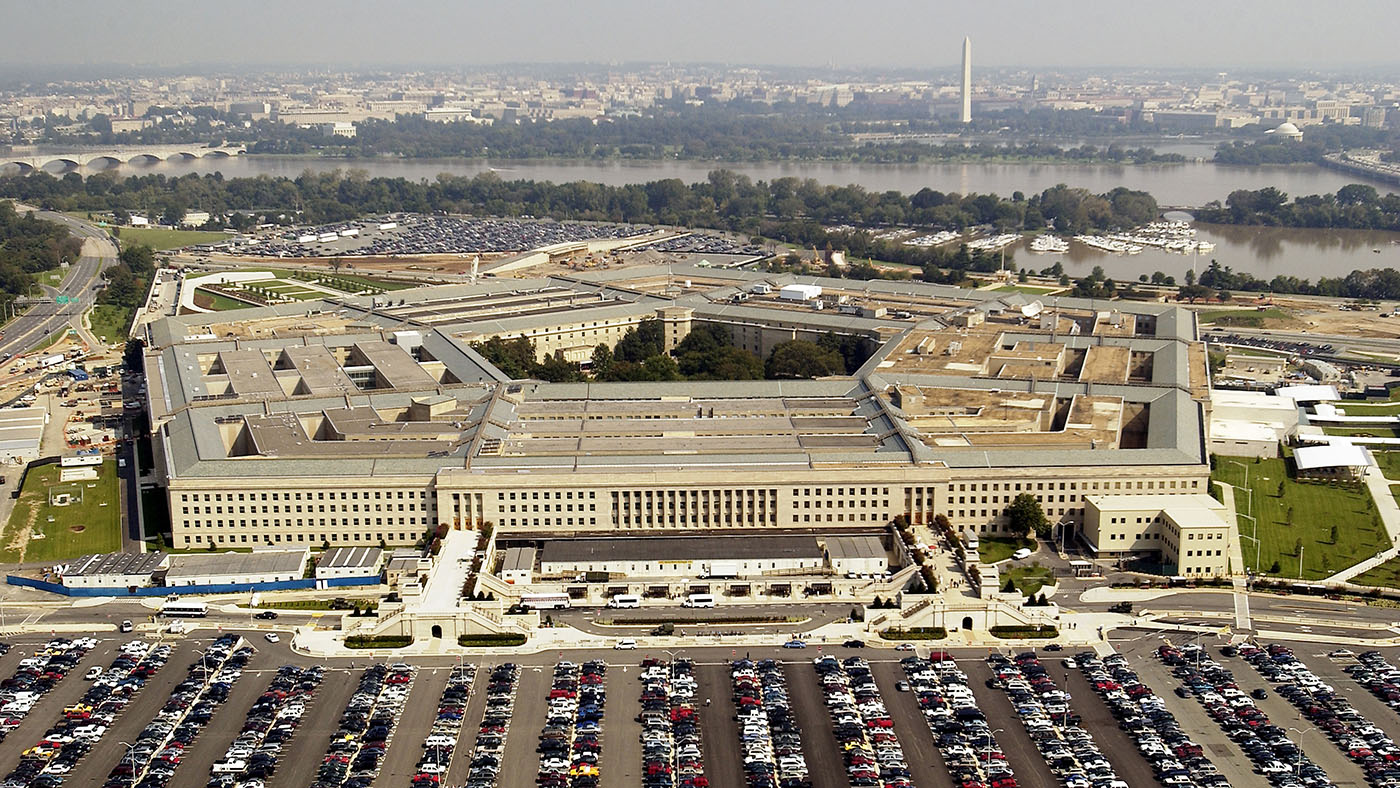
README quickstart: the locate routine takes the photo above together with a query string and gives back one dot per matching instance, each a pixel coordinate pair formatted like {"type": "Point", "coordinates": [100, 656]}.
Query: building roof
{"type": "Point", "coordinates": [1196, 509]}
{"type": "Point", "coordinates": [679, 548]}
{"type": "Point", "coordinates": [349, 557]}
{"type": "Point", "coordinates": [839, 547]}
{"type": "Point", "coordinates": [256, 563]}
{"type": "Point", "coordinates": [1310, 393]}
{"type": "Point", "coordinates": [1332, 455]}
{"type": "Point", "coordinates": [518, 559]}
{"type": "Point", "coordinates": [1242, 430]}
{"type": "Point", "coordinates": [135, 564]}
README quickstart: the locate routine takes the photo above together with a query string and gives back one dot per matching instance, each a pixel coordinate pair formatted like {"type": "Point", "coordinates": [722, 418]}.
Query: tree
{"type": "Point", "coordinates": [801, 359]}
{"type": "Point", "coordinates": [1274, 568]}
{"type": "Point", "coordinates": [1025, 516]}
{"type": "Point", "coordinates": [638, 344]}
{"type": "Point", "coordinates": [1008, 587]}
{"type": "Point", "coordinates": [1332, 534]}
{"type": "Point", "coordinates": [1298, 546]}
{"type": "Point", "coordinates": [1288, 517]}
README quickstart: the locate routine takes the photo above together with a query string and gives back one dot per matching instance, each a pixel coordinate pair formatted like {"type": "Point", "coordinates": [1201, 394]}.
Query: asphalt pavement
{"type": "Point", "coordinates": [40, 321]}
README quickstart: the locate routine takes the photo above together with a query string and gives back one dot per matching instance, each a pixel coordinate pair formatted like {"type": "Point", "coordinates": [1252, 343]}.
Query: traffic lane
{"type": "Point", "coordinates": [925, 762]}
{"type": "Point", "coordinates": [49, 708]}
{"type": "Point", "coordinates": [521, 759]}
{"type": "Point", "coordinates": [1021, 753]}
{"type": "Point", "coordinates": [301, 756]}
{"type": "Point", "coordinates": [1224, 753]}
{"type": "Point", "coordinates": [620, 763]}
{"type": "Point", "coordinates": [471, 725]}
{"type": "Point", "coordinates": [108, 750]}
{"type": "Point", "coordinates": [419, 713]}
{"type": "Point", "coordinates": [719, 731]}
{"type": "Point", "coordinates": [1283, 714]}
{"type": "Point", "coordinates": [819, 747]}
{"type": "Point", "coordinates": [1371, 707]}
{"type": "Point", "coordinates": [226, 724]}
{"type": "Point", "coordinates": [1115, 744]}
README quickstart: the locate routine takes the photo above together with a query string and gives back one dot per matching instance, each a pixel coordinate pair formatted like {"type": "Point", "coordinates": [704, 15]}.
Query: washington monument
{"type": "Point", "coordinates": [967, 80]}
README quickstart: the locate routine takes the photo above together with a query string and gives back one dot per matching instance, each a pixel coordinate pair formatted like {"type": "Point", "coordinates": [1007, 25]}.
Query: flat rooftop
{"type": "Point", "coordinates": [706, 548]}
{"type": "Point", "coordinates": [212, 564]}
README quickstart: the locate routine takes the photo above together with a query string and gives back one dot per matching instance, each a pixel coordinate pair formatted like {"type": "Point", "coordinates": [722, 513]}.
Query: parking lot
{"type": "Point", "coordinates": [221, 713]}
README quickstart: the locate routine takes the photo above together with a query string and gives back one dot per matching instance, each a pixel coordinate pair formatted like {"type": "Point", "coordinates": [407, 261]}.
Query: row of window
{"type": "Point", "coordinates": [301, 538]}
{"type": "Point", "coordinates": [352, 495]}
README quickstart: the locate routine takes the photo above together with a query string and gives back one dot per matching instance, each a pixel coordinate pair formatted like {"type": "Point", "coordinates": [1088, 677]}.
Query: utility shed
{"type": "Point", "coordinates": [800, 292]}
{"type": "Point", "coordinates": [349, 562]}
{"type": "Point", "coordinates": [518, 565]}
{"type": "Point", "coordinates": [259, 566]}
{"type": "Point", "coordinates": [860, 555]}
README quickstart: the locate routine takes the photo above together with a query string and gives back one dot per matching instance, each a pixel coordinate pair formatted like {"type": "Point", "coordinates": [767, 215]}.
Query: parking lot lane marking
{"type": "Point", "coordinates": [419, 711]}
{"type": "Point", "coordinates": [49, 708]}
{"type": "Point", "coordinates": [1115, 744]}
{"type": "Point", "coordinates": [471, 725]}
{"type": "Point", "coordinates": [719, 733]}
{"type": "Point", "coordinates": [301, 756]}
{"type": "Point", "coordinates": [1317, 747]}
{"type": "Point", "coordinates": [819, 747]}
{"type": "Point", "coordinates": [1030, 768]}
{"type": "Point", "coordinates": [1380, 715]}
{"type": "Point", "coordinates": [97, 764]}
{"type": "Point", "coordinates": [521, 758]}
{"type": "Point", "coordinates": [924, 760]}
{"type": "Point", "coordinates": [1225, 754]}
{"type": "Point", "coordinates": [620, 763]}
{"type": "Point", "coordinates": [223, 727]}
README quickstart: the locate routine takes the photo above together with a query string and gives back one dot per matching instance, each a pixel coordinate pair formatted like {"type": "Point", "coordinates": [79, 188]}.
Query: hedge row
{"type": "Point", "coordinates": [378, 641]}
{"type": "Point", "coordinates": [496, 639]}
{"type": "Point", "coordinates": [914, 633]}
{"type": "Point", "coordinates": [1043, 631]}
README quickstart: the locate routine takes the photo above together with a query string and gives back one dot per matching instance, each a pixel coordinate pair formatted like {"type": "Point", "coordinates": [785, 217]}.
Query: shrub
{"type": "Point", "coordinates": [378, 641]}
{"type": "Point", "coordinates": [491, 639]}
{"type": "Point", "coordinates": [1044, 631]}
{"type": "Point", "coordinates": [914, 633]}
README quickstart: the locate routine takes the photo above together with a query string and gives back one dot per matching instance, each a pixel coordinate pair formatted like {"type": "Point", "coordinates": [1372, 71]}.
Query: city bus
{"type": "Point", "coordinates": [184, 609]}
{"type": "Point", "coordinates": [544, 601]}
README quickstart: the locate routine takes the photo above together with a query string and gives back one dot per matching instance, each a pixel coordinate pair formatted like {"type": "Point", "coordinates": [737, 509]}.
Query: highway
{"type": "Point", "coordinates": [41, 320]}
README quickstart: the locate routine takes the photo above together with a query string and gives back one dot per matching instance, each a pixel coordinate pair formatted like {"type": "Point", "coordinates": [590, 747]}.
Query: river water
{"type": "Point", "coordinates": [1265, 252]}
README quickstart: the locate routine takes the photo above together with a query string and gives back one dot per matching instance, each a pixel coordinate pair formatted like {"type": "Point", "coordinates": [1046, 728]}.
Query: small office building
{"type": "Point", "coordinates": [1189, 532]}
{"type": "Point", "coordinates": [857, 555]}
{"type": "Point", "coordinates": [259, 566]}
{"type": "Point", "coordinates": [518, 565]}
{"type": "Point", "coordinates": [112, 570]}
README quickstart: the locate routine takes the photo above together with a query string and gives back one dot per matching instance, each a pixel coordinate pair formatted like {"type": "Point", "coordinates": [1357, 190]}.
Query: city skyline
{"type": "Point", "coordinates": [1069, 35]}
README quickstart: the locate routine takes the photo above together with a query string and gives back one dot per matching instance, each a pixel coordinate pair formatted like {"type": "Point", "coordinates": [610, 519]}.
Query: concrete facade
{"type": "Point", "coordinates": [1186, 531]}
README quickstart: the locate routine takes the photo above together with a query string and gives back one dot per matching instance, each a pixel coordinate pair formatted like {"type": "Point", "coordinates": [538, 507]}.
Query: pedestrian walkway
{"type": "Point", "coordinates": [1238, 579]}
{"type": "Point", "coordinates": [1390, 518]}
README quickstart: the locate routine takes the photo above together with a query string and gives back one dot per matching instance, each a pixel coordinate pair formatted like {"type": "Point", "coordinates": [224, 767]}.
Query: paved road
{"type": "Point", "coordinates": [40, 321]}
{"type": "Point", "coordinates": [471, 724]}
{"type": "Point", "coordinates": [520, 763]}
{"type": "Point", "coordinates": [1030, 768]}
{"type": "Point", "coordinates": [719, 733]}
{"type": "Point", "coordinates": [823, 755]}
{"type": "Point", "coordinates": [1116, 745]}
{"type": "Point", "coordinates": [227, 722]}
{"type": "Point", "coordinates": [925, 761]}
{"type": "Point", "coordinates": [620, 763]}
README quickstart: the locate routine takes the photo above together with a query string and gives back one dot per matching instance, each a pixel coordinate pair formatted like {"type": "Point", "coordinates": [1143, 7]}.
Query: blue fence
{"type": "Point", "coordinates": [220, 588]}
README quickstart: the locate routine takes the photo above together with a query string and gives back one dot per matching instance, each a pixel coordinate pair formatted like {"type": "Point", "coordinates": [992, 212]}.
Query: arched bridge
{"type": "Point", "coordinates": [30, 161]}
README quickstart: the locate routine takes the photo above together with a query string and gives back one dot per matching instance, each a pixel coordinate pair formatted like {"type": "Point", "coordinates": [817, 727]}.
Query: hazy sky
{"type": "Point", "coordinates": [1295, 34]}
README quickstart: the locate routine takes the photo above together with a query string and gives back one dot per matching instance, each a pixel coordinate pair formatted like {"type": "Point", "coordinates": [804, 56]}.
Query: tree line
{"type": "Point", "coordinates": [1354, 206]}
{"type": "Point", "coordinates": [28, 246]}
{"type": "Point", "coordinates": [724, 200]}
{"type": "Point", "coordinates": [708, 352]}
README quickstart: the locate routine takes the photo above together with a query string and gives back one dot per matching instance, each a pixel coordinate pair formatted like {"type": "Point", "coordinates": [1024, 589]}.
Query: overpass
{"type": "Point", "coordinates": [31, 161]}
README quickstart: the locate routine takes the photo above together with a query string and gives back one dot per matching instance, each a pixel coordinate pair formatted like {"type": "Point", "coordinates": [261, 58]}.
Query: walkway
{"type": "Point", "coordinates": [1390, 516]}
{"type": "Point", "coordinates": [1238, 579]}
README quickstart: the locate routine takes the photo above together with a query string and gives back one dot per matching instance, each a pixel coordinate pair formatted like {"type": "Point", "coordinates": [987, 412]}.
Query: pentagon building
{"type": "Point", "coordinates": [363, 420]}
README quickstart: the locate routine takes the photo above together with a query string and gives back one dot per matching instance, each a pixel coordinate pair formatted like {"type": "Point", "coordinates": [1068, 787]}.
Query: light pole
{"type": "Point", "coordinates": [991, 741]}
{"type": "Point", "coordinates": [131, 754]}
{"type": "Point", "coordinates": [1257, 548]}
{"type": "Point", "coordinates": [1249, 491]}
{"type": "Point", "coordinates": [1298, 757]}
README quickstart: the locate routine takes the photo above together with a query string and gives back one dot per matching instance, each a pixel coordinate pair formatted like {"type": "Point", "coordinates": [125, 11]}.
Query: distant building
{"type": "Point", "coordinates": [337, 128]}
{"type": "Point", "coordinates": [1287, 131]}
{"type": "Point", "coordinates": [195, 219]}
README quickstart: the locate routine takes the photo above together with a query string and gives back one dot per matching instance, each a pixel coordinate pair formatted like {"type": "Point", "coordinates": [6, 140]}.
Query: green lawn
{"type": "Point", "coordinates": [217, 301]}
{"type": "Point", "coordinates": [1247, 318]}
{"type": "Point", "coordinates": [362, 282]}
{"type": "Point", "coordinates": [1315, 507]}
{"type": "Point", "coordinates": [93, 526]}
{"type": "Point", "coordinates": [1376, 408]}
{"type": "Point", "coordinates": [1389, 462]}
{"type": "Point", "coordinates": [161, 238]}
{"type": "Point", "coordinates": [999, 548]}
{"type": "Point", "coordinates": [1029, 579]}
{"type": "Point", "coordinates": [1387, 575]}
{"type": "Point", "coordinates": [111, 321]}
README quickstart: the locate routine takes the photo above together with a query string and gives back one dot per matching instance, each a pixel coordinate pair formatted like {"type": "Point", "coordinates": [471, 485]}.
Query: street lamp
{"type": "Point", "coordinates": [131, 754]}
{"type": "Point", "coordinates": [991, 741]}
{"type": "Point", "coordinates": [1298, 757]}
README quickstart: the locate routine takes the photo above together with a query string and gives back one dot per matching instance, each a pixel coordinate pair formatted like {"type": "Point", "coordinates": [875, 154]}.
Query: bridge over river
{"type": "Point", "coordinates": [31, 159]}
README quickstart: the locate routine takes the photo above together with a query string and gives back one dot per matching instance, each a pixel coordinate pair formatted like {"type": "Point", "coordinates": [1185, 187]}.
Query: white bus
{"type": "Point", "coordinates": [184, 608]}
{"type": "Point", "coordinates": [544, 601]}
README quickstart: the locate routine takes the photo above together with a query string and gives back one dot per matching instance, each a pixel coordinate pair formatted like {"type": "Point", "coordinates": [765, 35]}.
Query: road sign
{"type": "Point", "coordinates": [65, 300]}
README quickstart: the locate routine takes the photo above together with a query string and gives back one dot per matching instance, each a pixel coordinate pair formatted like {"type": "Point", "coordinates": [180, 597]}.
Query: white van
{"type": "Point", "coordinates": [699, 600]}
{"type": "Point", "coordinates": [625, 600]}
{"type": "Point", "coordinates": [626, 644]}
